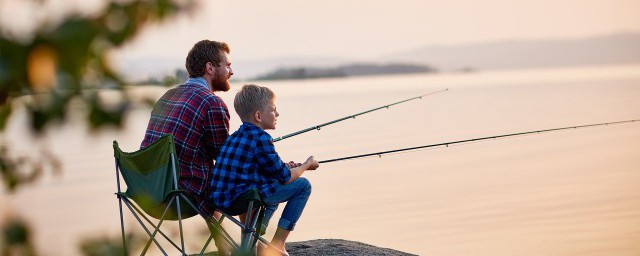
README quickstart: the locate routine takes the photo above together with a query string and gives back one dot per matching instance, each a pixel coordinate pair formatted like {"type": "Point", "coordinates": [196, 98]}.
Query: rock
{"type": "Point", "coordinates": [322, 247]}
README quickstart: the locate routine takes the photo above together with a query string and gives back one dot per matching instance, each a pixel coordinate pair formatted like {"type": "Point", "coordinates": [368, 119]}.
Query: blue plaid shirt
{"type": "Point", "coordinates": [247, 160]}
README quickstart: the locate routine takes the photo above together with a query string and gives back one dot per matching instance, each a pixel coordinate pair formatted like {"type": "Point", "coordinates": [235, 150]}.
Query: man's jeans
{"type": "Point", "coordinates": [296, 195]}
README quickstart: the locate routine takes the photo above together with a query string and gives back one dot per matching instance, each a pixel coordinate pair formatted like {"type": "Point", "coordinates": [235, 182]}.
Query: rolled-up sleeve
{"type": "Point", "coordinates": [270, 162]}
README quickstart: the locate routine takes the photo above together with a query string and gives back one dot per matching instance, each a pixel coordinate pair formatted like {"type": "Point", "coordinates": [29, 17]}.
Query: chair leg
{"type": "Point", "coordinates": [146, 247]}
{"type": "Point", "coordinates": [256, 235]}
{"type": "Point", "coordinates": [145, 228]}
{"type": "Point", "coordinates": [247, 229]}
{"type": "Point", "coordinates": [235, 221]}
{"type": "Point", "coordinates": [253, 230]}
{"type": "Point", "coordinates": [156, 227]}
{"type": "Point", "coordinates": [206, 244]}
{"type": "Point", "coordinates": [119, 196]}
{"type": "Point", "coordinates": [180, 225]}
{"type": "Point", "coordinates": [124, 239]}
{"type": "Point", "coordinates": [214, 225]}
{"type": "Point", "coordinates": [175, 199]}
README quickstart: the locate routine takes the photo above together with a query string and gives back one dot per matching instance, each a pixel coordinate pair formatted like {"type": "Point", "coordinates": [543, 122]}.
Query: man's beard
{"type": "Point", "coordinates": [220, 83]}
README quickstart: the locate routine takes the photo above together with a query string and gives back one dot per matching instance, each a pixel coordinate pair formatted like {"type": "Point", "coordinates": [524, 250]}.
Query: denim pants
{"type": "Point", "coordinates": [296, 195]}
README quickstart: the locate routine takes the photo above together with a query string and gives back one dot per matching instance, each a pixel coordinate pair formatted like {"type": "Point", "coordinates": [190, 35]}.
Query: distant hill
{"type": "Point", "coordinates": [344, 70]}
{"type": "Point", "coordinates": [512, 54]}
{"type": "Point", "coordinates": [516, 54]}
{"type": "Point", "coordinates": [246, 69]}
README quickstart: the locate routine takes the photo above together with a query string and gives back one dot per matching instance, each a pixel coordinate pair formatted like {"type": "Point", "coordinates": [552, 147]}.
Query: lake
{"type": "Point", "coordinates": [572, 192]}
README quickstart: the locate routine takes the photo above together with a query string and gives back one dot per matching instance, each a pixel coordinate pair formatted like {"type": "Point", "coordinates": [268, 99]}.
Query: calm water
{"type": "Point", "coordinates": [564, 193]}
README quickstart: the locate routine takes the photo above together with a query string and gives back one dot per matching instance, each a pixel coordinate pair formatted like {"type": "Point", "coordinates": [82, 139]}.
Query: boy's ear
{"type": "Point", "coordinates": [257, 116]}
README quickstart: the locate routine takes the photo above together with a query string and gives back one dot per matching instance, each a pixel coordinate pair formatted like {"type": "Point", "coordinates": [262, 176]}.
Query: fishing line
{"type": "Point", "coordinates": [447, 144]}
{"type": "Point", "coordinates": [317, 127]}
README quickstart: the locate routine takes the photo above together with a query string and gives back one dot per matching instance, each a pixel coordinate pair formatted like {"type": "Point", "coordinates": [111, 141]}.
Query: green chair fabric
{"type": "Point", "coordinates": [149, 177]}
{"type": "Point", "coordinates": [240, 204]}
{"type": "Point", "coordinates": [152, 177]}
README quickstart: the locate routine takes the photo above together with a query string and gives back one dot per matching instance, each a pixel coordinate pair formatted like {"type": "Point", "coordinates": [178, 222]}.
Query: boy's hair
{"type": "Point", "coordinates": [250, 99]}
{"type": "Point", "coordinates": [203, 52]}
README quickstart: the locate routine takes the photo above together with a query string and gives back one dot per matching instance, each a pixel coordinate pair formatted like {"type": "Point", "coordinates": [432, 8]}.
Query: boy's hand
{"type": "Point", "coordinates": [292, 164]}
{"type": "Point", "coordinates": [296, 172]}
{"type": "Point", "coordinates": [312, 163]}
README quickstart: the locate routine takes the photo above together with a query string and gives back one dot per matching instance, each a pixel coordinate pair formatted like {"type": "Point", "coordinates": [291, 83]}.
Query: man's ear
{"type": "Point", "coordinates": [210, 68]}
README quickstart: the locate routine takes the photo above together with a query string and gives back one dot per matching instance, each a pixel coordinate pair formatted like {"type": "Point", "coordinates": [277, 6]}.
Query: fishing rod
{"type": "Point", "coordinates": [446, 144]}
{"type": "Point", "coordinates": [317, 127]}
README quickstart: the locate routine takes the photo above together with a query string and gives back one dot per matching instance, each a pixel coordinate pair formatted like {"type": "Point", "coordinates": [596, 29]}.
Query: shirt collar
{"type": "Point", "coordinates": [250, 126]}
{"type": "Point", "coordinates": [199, 81]}
{"type": "Point", "coordinates": [253, 129]}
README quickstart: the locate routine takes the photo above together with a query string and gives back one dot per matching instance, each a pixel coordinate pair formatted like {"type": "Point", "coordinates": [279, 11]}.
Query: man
{"type": "Point", "coordinates": [197, 118]}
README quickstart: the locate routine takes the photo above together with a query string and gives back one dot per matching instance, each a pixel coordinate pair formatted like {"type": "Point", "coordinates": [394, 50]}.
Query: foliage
{"type": "Point", "coordinates": [60, 63]}
{"type": "Point", "coordinates": [15, 239]}
{"type": "Point", "coordinates": [106, 246]}
{"type": "Point", "coordinates": [180, 76]}
{"type": "Point", "coordinates": [67, 61]}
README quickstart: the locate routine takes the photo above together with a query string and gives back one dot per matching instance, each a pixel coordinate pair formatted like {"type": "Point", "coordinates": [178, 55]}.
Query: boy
{"type": "Point", "coordinates": [248, 160]}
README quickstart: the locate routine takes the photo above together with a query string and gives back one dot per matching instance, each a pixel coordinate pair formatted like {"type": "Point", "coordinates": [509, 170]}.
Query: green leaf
{"type": "Point", "coordinates": [5, 113]}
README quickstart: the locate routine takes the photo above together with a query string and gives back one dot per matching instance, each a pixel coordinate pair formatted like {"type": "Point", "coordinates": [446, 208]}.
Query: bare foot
{"type": "Point", "coordinates": [265, 250]}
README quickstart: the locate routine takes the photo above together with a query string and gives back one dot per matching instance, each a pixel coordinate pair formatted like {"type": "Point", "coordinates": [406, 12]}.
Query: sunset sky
{"type": "Point", "coordinates": [362, 29]}
{"type": "Point", "coordinates": [352, 29]}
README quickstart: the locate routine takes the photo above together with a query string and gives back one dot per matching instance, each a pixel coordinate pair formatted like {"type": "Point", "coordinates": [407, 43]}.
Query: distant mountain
{"type": "Point", "coordinates": [366, 69]}
{"type": "Point", "coordinates": [513, 54]}
{"type": "Point", "coordinates": [245, 69]}
{"type": "Point", "coordinates": [344, 70]}
{"type": "Point", "coordinates": [516, 54]}
{"type": "Point", "coordinates": [156, 68]}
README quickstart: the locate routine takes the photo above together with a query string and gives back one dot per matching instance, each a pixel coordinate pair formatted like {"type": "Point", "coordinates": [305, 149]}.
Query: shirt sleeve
{"type": "Point", "coordinates": [217, 127]}
{"type": "Point", "coordinates": [270, 161]}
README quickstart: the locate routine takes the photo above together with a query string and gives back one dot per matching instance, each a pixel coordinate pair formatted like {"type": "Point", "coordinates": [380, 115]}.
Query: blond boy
{"type": "Point", "coordinates": [248, 160]}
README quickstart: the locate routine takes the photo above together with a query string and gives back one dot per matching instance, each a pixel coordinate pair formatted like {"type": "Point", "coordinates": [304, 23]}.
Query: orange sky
{"type": "Point", "coordinates": [371, 28]}
{"type": "Point", "coordinates": [354, 29]}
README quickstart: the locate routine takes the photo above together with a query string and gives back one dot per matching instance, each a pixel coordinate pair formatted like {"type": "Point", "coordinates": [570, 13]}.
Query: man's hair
{"type": "Point", "coordinates": [250, 99]}
{"type": "Point", "coordinates": [203, 52]}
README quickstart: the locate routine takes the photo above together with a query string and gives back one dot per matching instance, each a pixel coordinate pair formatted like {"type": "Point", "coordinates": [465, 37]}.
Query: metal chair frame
{"type": "Point", "coordinates": [249, 235]}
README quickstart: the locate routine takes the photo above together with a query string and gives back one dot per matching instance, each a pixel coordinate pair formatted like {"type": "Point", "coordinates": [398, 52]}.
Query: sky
{"type": "Point", "coordinates": [371, 28]}
{"type": "Point", "coordinates": [350, 29]}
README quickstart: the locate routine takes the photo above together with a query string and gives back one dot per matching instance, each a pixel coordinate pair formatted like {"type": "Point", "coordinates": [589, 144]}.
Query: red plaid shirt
{"type": "Point", "coordinates": [199, 122]}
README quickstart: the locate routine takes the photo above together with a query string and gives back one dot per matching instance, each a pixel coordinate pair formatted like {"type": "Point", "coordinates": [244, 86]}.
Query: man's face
{"type": "Point", "coordinates": [221, 74]}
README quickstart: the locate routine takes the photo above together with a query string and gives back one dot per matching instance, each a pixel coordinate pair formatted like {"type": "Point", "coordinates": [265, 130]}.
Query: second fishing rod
{"type": "Point", "coordinates": [494, 137]}
{"type": "Point", "coordinates": [317, 127]}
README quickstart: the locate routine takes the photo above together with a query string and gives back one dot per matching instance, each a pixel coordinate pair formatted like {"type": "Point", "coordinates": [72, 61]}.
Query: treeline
{"type": "Point", "coordinates": [344, 71]}
{"type": "Point", "coordinates": [179, 76]}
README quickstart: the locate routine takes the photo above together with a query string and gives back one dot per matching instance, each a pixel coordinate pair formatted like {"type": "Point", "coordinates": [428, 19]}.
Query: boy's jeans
{"type": "Point", "coordinates": [296, 195]}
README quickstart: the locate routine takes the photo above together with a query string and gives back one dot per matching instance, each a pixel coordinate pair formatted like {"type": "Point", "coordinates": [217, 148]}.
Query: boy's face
{"type": "Point", "coordinates": [269, 116]}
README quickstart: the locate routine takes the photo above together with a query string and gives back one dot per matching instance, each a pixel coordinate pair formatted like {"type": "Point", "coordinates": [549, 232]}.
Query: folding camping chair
{"type": "Point", "coordinates": [151, 176]}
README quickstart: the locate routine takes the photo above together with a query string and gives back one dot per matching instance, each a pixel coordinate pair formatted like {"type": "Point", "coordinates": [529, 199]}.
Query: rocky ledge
{"type": "Point", "coordinates": [339, 247]}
